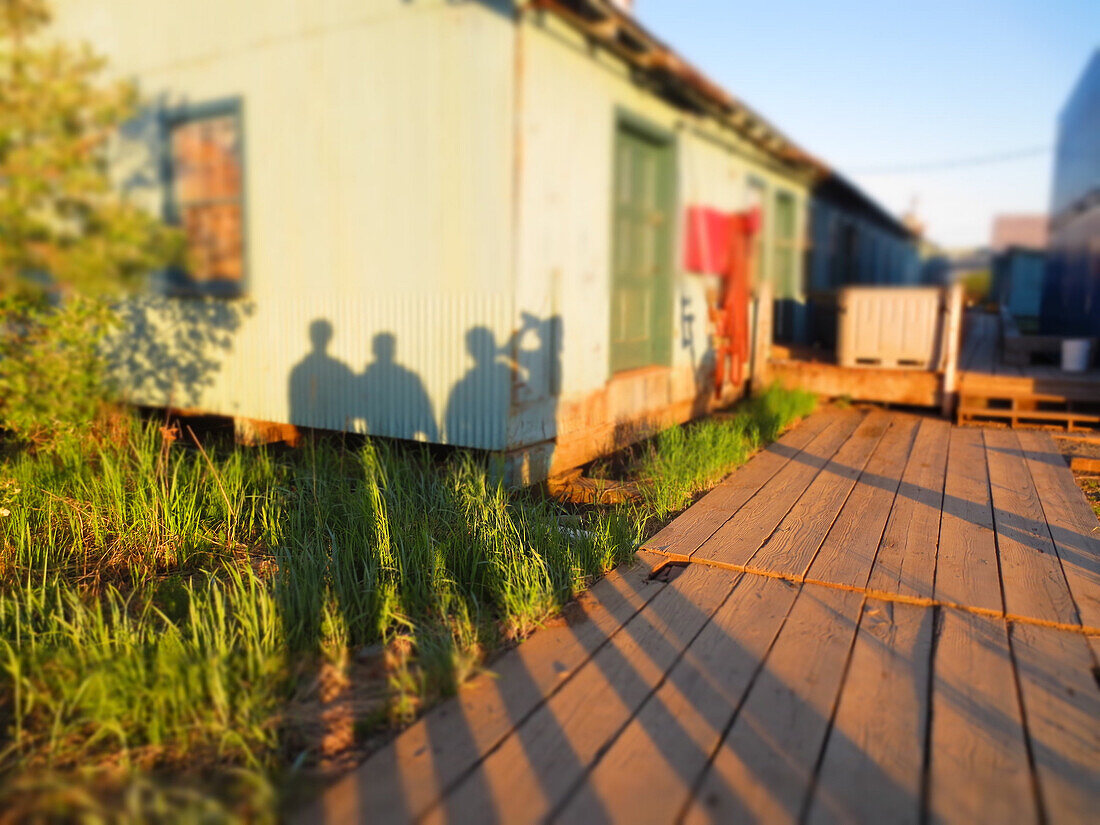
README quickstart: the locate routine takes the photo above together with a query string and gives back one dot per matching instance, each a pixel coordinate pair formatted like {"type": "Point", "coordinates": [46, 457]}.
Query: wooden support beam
{"type": "Point", "coordinates": [762, 336]}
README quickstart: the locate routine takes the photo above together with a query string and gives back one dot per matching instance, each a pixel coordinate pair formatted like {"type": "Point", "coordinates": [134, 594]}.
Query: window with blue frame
{"type": "Point", "coordinates": [206, 197]}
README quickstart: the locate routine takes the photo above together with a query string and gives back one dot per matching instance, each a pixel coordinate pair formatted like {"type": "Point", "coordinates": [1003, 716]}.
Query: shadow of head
{"type": "Point", "coordinates": [481, 344]}
{"type": "Point", "coordinates": [384, 347]}
{"type": "Point", "coordinates": [320, 334]}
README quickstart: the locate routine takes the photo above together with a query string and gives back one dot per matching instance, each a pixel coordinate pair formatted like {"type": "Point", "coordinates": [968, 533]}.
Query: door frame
{"type": "Point", "coordinates": [666, 139]}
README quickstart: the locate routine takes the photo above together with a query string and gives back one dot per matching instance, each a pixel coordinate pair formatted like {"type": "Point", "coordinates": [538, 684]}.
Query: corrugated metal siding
{"type": "Point", "coordinates": [196, 354]}
{"type": "Point", "coordinates": [571, 100]}
{"type": "Point", "coordinates": [378, 146]}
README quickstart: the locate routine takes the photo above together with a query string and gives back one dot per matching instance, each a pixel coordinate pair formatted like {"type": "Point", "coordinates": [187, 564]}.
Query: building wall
{"type": "Point", "coordinates": [378, 146]}
{"type": "Point", "coordinates": [428, 173]}
{"type": "Point", "coordinates": [882, 257]}
{"type": "Point", "coordinates": [1071, 296]}
{"type": "Point", "coordinates": [570, 99]}
{"type": "Point", "coordinates": [877, 256]}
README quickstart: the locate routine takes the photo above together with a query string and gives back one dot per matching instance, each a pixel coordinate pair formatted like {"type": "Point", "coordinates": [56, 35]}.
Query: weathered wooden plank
{"type": "Point", "coordinates": [1062, 713]}
{"type": "Point", "coordinates": [791, 548]}
{"type": "Point", "coordinates": [686, 532]}
{"type": "Point", "coordinates": [648, 773]}
{"type": "Point", "coordinates": [872, 766]}
{"type": "Point", "coordinates": [1031, 573]}
{"type": "Point", "coordinates": [849, 550]}
{"type": "Point", "coordinates": [978, 769]}
{"type": "Point", "coordinates": [400, 781]}
{"type": "Point", "coordinates": [906, 561]}
{"type": "Point", "coordinates": [916, 387]}
{"type": "Point", "coordinates": [763, 769]}
{"type": "Point", "coordinates": [539, 763]}
{"type": "Point", "coordinates": [1070, 520]}
{"type": "Point", "coordinates": [966, 569]}
{"type": "Point", "coordinates": [736, 540]}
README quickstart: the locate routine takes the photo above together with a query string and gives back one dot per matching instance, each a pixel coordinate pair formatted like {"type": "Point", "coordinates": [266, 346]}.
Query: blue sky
{"type": "Point", "coordinates": [867, 85]}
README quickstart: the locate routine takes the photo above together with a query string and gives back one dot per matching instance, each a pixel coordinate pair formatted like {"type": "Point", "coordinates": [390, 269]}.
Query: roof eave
{"type": "Point", "coordinates": [616, 31]}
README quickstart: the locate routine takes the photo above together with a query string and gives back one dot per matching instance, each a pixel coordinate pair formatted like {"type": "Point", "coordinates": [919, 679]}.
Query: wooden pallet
{"type": "Point", "coordinates": [1027, 408]}
{"type": "Point", "coordinates": [890, 363]}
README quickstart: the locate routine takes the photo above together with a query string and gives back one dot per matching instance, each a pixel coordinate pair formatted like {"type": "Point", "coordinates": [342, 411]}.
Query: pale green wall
{"type": "Point", "coordinates": [570, 98]}
{"type": "Point", "coordinates": [420, 169]}
{"type": "Point", "coordinates": [379, 171]}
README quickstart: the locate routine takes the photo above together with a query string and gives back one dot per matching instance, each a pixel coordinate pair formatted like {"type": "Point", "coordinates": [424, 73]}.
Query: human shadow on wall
{"type": "Point", "coordinates": [522, 373]}
{"type": "Point", "coordinates": [386, 399]}
{"type": "Point", "coordinates": [390, 400]}
{"type": "Point", "coordinates": [395, 401]}
{"type": "Point", "coordinates": [320, 385]}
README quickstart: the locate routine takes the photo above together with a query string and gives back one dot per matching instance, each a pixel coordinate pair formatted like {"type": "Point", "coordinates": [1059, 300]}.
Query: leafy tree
{"type": "Point", "coordinates": [60, 216]}
{"type": "Point", "coordinates": [68, 236]}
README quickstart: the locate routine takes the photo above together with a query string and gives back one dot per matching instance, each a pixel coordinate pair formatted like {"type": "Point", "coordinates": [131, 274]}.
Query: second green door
{"type": "Point", "coordinates": [642, 250]}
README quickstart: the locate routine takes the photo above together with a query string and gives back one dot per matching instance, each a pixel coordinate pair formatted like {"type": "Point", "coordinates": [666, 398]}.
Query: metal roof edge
{"type": "Point", "coordinates": [620, 33]}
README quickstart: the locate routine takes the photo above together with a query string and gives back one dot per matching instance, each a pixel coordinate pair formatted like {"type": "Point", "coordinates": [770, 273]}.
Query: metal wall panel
{"type": "Point", "coordinates": [570, 100]}
{"type": "Point", "coordinates": [378, 160]}
{"type": "Point", "coordinates": [423, 367]}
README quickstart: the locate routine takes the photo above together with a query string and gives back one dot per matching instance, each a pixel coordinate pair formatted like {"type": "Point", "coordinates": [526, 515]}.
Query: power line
{"type": "Point", "coordinates": [955, 163]}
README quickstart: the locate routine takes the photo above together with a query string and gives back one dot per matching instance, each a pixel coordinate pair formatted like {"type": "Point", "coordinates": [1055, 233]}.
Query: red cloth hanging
{"type": "Point", "coordinates": [707, 233]}
{"type": "Point", "coordinates": [731, 316]}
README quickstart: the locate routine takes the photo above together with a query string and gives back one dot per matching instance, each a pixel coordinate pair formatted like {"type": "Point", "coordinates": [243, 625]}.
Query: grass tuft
{"type": "Point", "coordinates": [173, 609]}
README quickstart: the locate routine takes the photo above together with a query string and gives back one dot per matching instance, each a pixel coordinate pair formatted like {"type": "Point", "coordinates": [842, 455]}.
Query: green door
{"type": "Point", "coordinates": [641, 269]}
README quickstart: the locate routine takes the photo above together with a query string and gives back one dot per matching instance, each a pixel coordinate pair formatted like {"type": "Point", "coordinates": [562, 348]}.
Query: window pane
{"type": "Point", "coordinates": [784, 217]}
{"type": "Point", "coordinates": [213, 234]}
{"type": "Point", "coordinates": [207, 188]}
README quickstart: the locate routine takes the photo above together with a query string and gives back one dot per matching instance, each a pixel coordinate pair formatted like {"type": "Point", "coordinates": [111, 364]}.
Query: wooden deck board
{"type": "Point", "coordinates": [763, 770]}
{"type": "Point", "coordinates": [536, 766]}
{"type": "Point", "coordinates": [648, 773]}
{"type": "Point", "coordinates": [872, 766]}
{"type": "Point", "coordinates": [736, 540]}
{"type": "Point", "coordinates": [796, 540]}
{"type": "Point", "coordinates": [978, 763]}
{"type": "Point", "coordinates": [1062, 711]}
{"type": "Point", "coordinates": [1034, 584]}
{"type": "Point", "coordinates": [1072, 523]}
{"type": "Point", "coordinates": [906, 561]}
{"type": "Point", "coordinates": [849, 550]}
{"type": "Point", "coordinates": [967, 571]}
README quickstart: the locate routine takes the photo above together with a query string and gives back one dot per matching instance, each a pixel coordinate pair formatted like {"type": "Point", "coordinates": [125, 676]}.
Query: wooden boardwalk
{"type": "Point", "coordinates": [1044, 395]}
{"type": "Point", "coordinates": [879, 618]}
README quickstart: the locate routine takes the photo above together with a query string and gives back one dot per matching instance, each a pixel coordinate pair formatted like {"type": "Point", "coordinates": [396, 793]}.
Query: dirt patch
{"type": "Point", "coordinates": [1090, 484]}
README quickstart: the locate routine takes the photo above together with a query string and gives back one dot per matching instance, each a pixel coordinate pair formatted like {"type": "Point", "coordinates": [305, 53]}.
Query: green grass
{"type": "Point", "coordinates": [682, 461]}
{"type": "Point", "coordinates": [161, 605]}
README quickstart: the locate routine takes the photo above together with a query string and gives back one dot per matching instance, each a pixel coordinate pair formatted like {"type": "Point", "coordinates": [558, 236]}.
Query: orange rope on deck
{"type": "Point", "coordinates": [677, 559]}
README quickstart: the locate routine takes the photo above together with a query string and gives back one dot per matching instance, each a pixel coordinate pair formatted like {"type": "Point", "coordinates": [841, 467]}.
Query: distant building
{"type": "Point", "coordinates": [854, 240]}
{"type": "Point", "coordinates": [1071, 293]}
{"type": "Point", "coordinates": [1020, 231]}
{"type": "Point", "coordinates": [1018, 243]}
